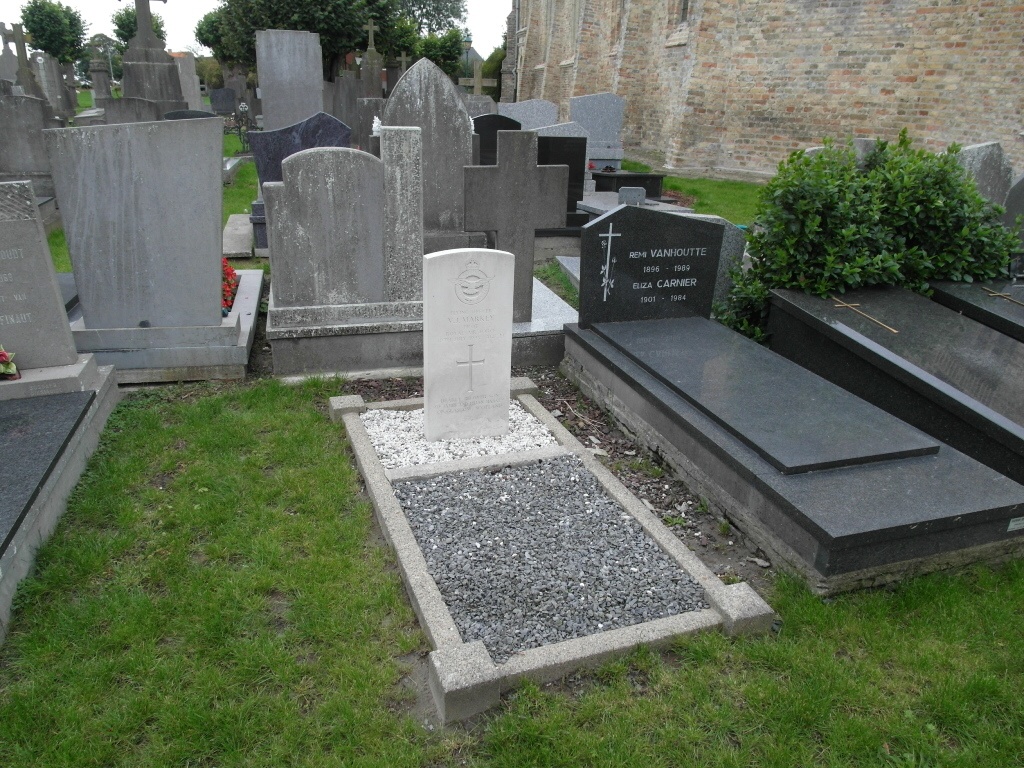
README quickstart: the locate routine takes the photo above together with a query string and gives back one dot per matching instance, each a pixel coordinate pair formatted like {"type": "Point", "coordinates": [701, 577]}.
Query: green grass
{"type": "Point", "coordinates": [554, 277]}
{"type": "Point", "coordinates": [216, 595]}
{"type": "Point", "coordinates": [232, 145]}
{"type": "Point", "coordinates": [84, 100]}
{"type": "Point", "coordinates": [735, 201]}
{"type": "Point", "coordinates": [59, 250]}
{"type": "Point", "coordinates": [239, 194]}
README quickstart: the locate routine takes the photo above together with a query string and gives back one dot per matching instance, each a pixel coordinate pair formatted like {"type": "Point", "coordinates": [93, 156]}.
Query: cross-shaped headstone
{"type": "Point", "coordinates": [477, 82]}
{"type": "Point", "coordinates": [404, 60]}
{"type": "Point", "coordinates": [370, 27]}
{"type": "Point", "coordinates": [513, 199]}
{"type": "Point", "coordinates": [144, 22]}
{"type": "Point", "coordinates": [6, 35]}
{"type": "Point", "coordinates": [26, 78]}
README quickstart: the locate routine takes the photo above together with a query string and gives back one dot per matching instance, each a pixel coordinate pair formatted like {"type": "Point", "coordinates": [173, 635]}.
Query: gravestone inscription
{"type": "Point", "coordinates": [467, 342]}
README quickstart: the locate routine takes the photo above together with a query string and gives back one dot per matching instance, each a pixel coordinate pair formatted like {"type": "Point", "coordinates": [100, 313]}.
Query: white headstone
{"type": "Point", "coordinates": [467, 342]}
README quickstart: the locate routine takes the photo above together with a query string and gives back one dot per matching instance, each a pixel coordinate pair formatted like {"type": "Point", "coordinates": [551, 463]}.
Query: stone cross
{"type": "Point", "coordinates": [370, 27]}
{"type": "Point", "coordinates": [515, 198]}
{"type": "Point", "coordinates": [404, 61]}
{"type": "Point", "coordinates": [26, 79]}
{"type": "Point", "coordinates": [144, 21]}
{"type": "Point", "coordinates": [6, 35]}
{"type": "Point", "coordinates": [477, 81]}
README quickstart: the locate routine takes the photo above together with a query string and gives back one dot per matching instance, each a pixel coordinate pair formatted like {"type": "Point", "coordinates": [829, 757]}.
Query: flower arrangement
{"type": "Point", "coordinates": [229, 285]}
{"type": "Point", "coordinates": [8, 370]}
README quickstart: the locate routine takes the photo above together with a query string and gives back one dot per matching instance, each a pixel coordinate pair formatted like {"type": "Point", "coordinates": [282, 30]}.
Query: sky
{"type": "Point", "coordinates": [486, 19]}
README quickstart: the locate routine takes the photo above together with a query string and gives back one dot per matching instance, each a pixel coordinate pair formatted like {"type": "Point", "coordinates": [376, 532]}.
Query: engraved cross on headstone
{"type": "Point", "coordinates": [607, 281]}
{"type": "Point", "coordinates": [478, 81]}
{"type": "Point", "coordinates": [513, 199]}
{"type": "Point", "coordinates": [470, 363]}
{"type": "Point", "coordinates": [370, 27]}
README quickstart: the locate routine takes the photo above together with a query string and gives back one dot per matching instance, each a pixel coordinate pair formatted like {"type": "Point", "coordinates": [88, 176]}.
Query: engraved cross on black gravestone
{"type": "Point", "coordinates": [513, 199]}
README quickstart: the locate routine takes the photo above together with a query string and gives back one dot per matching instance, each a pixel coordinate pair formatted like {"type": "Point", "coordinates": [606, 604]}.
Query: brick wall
{"type": "Point", "coordinates": [744, 82]}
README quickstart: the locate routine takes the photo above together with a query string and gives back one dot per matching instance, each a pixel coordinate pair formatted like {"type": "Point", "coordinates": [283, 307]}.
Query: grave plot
{"type": "Point", "coordinates": [997, 304]}
{"type": "Point", "coordinates": [532, 563]}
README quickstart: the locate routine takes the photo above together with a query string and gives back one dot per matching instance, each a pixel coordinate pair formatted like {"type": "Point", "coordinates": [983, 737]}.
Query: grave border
{"type": "Point", "coordinates": [463, 679]}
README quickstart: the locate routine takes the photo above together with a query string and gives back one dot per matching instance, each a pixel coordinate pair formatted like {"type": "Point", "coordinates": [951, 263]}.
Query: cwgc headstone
{"type": "Point", "coordinates": [481, 105]}
{"type": "Point", "coordinates": [639, 264]}
{"type": "Point", "coordinates": [8, 59]}
{"type": "Point", "coordinates": [23, 150]}
{"type": "Point", "coordinates": [989, 168]}
{"type": "Point", "coordinates": [601, 116]}
{"type": "Point", "coordinates": [533, 113]}
{"type": "Point", "coordinates": [513, 199]}
{"type": "Point", "coordinates": [426, 98]}
{"type": "Point", "coordinates": [149, 71]}
{"type": "Point", "coordinates": [467, 342]}
{"type": "Point", "coordinates": [186, 63]}
{"type": "Point", "coordinates": [487, 127]}
{"type": "Point", "coordinates": [33, 323]}
{"type": "Point", "coordinates": [401, 149]}
{"type": "Point", "coordinates": [326, 229]}
{"type": "Point", "coordinates": [1015, 207]}
{"type": "Point", "coordinates": [223, 101]}
{"type": "Point", "coordinates": [291, 76]}
{"type": "Point", "coordinates": [141, 206]}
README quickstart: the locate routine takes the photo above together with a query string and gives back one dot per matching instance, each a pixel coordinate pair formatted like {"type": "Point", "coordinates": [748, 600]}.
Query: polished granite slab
{"type": "Point", "coordinates": [999, 304]}
{"type": "Point", "coordinates": [33, 434]}
{"type": "Point", "coordinates": [794, 419]}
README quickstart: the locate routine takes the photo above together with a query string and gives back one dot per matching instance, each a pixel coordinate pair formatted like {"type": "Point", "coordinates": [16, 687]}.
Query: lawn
{"type": "Point", "coordinates": [216, 595]}
{"type": "Point", "coordinates": [735, 201]}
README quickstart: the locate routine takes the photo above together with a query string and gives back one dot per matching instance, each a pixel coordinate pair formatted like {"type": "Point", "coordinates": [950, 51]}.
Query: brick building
{"type": "Point", "coordinates": [730, 87]}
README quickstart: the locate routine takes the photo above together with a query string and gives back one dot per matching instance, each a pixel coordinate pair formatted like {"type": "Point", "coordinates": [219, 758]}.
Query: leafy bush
{"type": "Point", "coordinates": [901, 216]}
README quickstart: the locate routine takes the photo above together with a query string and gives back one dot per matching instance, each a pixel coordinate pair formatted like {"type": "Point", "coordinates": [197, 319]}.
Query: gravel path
{"type": "Point", "coordinates": [532, 555]}
{"type": "Point", "coordinates": [398, 438]}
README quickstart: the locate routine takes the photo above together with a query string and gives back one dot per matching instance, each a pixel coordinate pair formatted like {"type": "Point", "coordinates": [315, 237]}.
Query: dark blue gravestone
{"type": "Point", "coordinates": [270, 148]}
{"type": "Point", "coordinates": [33, 434]}
{"type": "Point", "coordinates": [223, 101]}
{"type": "Point", "coordinates": [487, 127]}
{"type": "Point", "coordinates": [187, 114]}
{"type": "Point", "coordinates": [570, 151]}
{"type": "Point", "coordinates": [639, 264]}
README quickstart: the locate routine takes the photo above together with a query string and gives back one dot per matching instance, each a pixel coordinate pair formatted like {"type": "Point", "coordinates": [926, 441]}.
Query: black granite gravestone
{"type": "Point", "coordinates": [487, 127]}
{"type": "Point", "coordinates": [999, 304]}
{"type": "Point", "coordinates": [638, 264]}
{"type": "Point", "coordinates": [187, 114]}
{"type": "Point", "coordinates": [570, 151]}
{"type": "Point", "coordinates": [33, 434]}
{"type": "Point", "coordinates": [936, 369]}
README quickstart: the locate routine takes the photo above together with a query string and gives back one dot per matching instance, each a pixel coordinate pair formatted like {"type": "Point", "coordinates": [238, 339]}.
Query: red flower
{"type": "Point", "coordinates": [5, 357]}
{"type": "Point", "coordinates": [229, 285]}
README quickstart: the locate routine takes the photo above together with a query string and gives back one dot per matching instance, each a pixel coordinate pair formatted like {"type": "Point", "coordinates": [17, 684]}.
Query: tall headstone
{"type": "Point", "coordinates": [33, 322]}
{"type": "Point", "coordinates": [639, 264]}
{"type": "Point", "coordinates": [99, 74]}
{"type": "Point", "coordinates": [25, 79]}
{"type": "Point", "coordinates": [487, 127]}
{"type": "Point", "coordinates": [426, 98]}
{"type": "Point", "coordinates": [345, 94]}
{"type": "Point", "coordinates": [326, 229]}
{"type": "Point", "coordinates": [186, 63]}
{"type": "Point", "coordinates": [141, 205]}
{"type": "Point", "coordinates": [467, 342]}
{"type": "Point", "coordinates": [8, 59]}
{"type": "Point", "coordinates": [531, 114]}
{"type": "Point", "coordinates": [366, 111]}
{"type": "Point", "coordinates": [401, 151]}
{"type": "Point", "coordinates": [290, 66]}
{"type": "Point", "coordinates": [23, 150]}
{"type": "Point", "coordinates": [372, 66]}
{"type": "Point", "coordinates": [989, 168]}
{"type": "Point", "coordinates": [149, 71]}
{"type": "Point", "coordinates": [513, 199]}
{"type": "Point", "coordinates": [601, 116]}
{"type": "Point", "coordinates": [50, 78]}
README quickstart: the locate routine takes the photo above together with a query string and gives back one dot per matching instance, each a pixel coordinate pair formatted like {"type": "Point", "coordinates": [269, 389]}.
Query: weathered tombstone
{"type": "Point", "coordinates": [33, 322]}
{"type": "Point", "coordinates": [48, 74]}
{"type": "Point", "coordinates": [601, 116]}
{"type": "Point", "coordinates": [533, 113]}
{"type": "Point", "coordinates": [132, 110]}
{"type": "Point", "coordinates": [481, 105]}
{"type": "Point", "coordinates": [25, 79]}
{"type": "Point", "coordinates": [425, 97]}
{"type": "Point", "coordinates": [186, 63]}
{"type": "Point", "coordinates": [467, 342]}
{"type": "Point", "coordinates": [989, 168]}
{"type": "Point", "coordinates": [632, 195]}
{"type": "Point", "coordinates": [223, 101]}
{"type": "Point", "coordinates": [149, 71]}
{"type": "Point", "coordinates": [99, 73]}
{"type": "Point", "coordinates": [639, 264]}
{"type": "Point", "coordinates": [23, 150]}
{"type": "Point", "coordinates": [291, 76]}
{"type": "Point", "coordinates": [478, 82]}
{"type": "Point", "coordinates": [270, 148]}
{"type": "Point", "coordinates": [371, 67]}
{"type": "Point", "coordinates": [513, 199]}
{"type": "Point", "coordinates": [8, 59]}
{"type": "Point", "coordinates": [344, 96]}
{"type": "Point", "coordinates": [366, 111]}
{"type": "Point", "coordinates": [326, 229]}
{"type": "Point", "coordinates": [1015, 207]}
{"type": "Point", "coordinates": [402, 150]}
{"type": "Point", "coordinates": [487, 127]}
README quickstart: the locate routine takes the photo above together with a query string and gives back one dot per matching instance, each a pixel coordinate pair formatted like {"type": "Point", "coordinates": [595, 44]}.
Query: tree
{"type": "Point", "coordinates": [55, 28]}
{"type": "Point", "coordinates": [434, 17]}
{"type": "Point", "coordinates": [209, 72]}
{"type": "Point", "coordinates": [100, 46]}
{"type": "Point", "coordinates": [492, 69]}
{"type": "Point", "coordinates": [445, 51]}
{"type": "Point", "coordinates": [125, 25]}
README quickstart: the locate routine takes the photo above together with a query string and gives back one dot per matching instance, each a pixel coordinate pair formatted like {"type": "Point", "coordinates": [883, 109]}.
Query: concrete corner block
{"type": "Point", "coordinates": [522, 385]}
{"type": "Point", "coordinates": [463, 681]}
{"type": "Point", "coordinates": [343, 404]}
{"type": "Point", "coordinates": [742, 609]}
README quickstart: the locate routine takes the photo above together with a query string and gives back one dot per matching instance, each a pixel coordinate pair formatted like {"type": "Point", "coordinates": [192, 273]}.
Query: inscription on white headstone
{"type": "Point", "coordinates": [467, 342]}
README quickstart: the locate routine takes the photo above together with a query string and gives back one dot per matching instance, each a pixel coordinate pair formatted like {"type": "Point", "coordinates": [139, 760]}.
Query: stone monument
{"type": "Point", "coordinates": [149, 71]}
{"type": "Point", "coordinates": [290, 66]}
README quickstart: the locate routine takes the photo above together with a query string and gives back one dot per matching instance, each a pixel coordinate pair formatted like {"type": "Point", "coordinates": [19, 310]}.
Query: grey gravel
{"type": "Point", "coordinates": [531, 555]}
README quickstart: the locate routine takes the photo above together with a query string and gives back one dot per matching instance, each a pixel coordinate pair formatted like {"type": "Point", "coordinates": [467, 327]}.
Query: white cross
{"type": "Point", "coordinates": [607, 281]}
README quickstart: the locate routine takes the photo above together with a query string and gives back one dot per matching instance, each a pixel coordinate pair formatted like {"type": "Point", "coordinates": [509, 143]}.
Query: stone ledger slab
{"type": "Point", "coordinates": [467, 342]}
{"type": "Point", "coordinates": [998, 304]}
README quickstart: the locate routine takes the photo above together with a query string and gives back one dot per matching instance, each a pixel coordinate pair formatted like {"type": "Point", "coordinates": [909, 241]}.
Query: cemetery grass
{"type": "Point", "coordinates": [553, 276]}
{"type": "Point", "coordinates": [239, 194]}
{"type": "Point", "coordinates": [734, 201]}
{"type": "Point", "coordinates": [217, 594]}
{"type": "Point", "coordinates": [59, 250]}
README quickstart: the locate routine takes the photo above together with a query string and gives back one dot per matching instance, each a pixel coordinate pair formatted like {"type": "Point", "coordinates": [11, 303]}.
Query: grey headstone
{"type": "Point", "coordinates": [990, 169]}
{"type": "Point", "coordinates": [33, 323]}
{"type": "Point", "coordinates": [291, 76]}
{"type": "Point", "coordinates": [326, 235]}
{"type": "Point", "coordinates": [223, 101]}
{"type": "Point", "coordinates": [426, 98]}
{"type": "Point", "coordinates": [487, 127]}
{"type": "Point", "coordinates": [50, 78]}
{"type": "Point", "coordinates": [1015, 207]}
{"type": "Point", "coordinates": [632, 195]}
{"type": "Point", "coordinates": [513, 199]}
{"type": "Point", "coordinates": [189, 80]}
{"type": "Point", "coordinates": [532, 113]}
{"type": "Point", "coordinates": [344, 95]}
{"type": "Point", "coordinates": [371, 85]}
{"type": "Point", "coordinates": [601, 116]}
{"type": "Point", "coordinates": [401, 151]}
{"type": "Point", "coordinates": [99, 73]}
{"type": "Point", "coordinates": [481, 105]}
{"type": "Point", "coordinates": [366, 110]}
{"type": "Point", "coordinates": [141, 205]}
{"type": "Point", "coordinates": [149, 71]}
{"type": "Point", "coordinates": [8, 63]}
{"type": "Point", "coordinates": [23, 150]}
{"type": "Point", "coordinates": [563, 129]}
{"type": "Point", "coordinates": [132, 110]}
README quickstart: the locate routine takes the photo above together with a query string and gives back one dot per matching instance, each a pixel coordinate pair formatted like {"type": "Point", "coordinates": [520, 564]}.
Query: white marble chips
{"type": "Point", "coordinates": [467, 342]}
